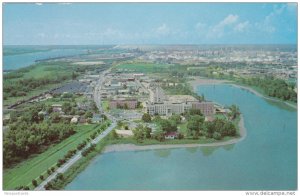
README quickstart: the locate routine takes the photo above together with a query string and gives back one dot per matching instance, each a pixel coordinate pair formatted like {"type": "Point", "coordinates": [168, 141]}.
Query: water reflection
{"type": "Point", "coordinates": [191, 150]}
{"type": "Point", "coordinates": [162, 153]}
{"type": "Point", "coordinates": [208, 150]}
{"type": "Point", "coordinates": [281, 105]}
{"type": "Point", "coordinates": [228, 147]}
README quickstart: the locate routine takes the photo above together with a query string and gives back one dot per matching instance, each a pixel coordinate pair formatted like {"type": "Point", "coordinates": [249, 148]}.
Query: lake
{"type": "Point", "coordinates": [265, 160]}
{"type": "Point", "coordinates": [13, 62]}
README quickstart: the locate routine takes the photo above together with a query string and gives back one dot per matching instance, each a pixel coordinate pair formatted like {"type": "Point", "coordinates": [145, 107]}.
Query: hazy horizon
{"type": "Point", "coordinates": [149, 23]}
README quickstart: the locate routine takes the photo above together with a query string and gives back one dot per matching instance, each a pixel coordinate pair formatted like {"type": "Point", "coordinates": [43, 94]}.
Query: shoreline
{"type": "Point", "coordinates": [194, 83]}
{"type": "Point", "coordinates": [204, 81]}
{"type": "Point", "coordinates": [134, 147]}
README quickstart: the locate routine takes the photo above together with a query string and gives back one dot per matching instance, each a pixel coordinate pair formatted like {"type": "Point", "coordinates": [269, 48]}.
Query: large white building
{"type": "Point", "coordinates": [160, 104]}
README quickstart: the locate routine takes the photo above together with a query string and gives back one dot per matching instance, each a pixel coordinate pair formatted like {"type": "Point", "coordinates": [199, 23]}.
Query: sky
{"type": "Point", "coordinates": [149, 23]}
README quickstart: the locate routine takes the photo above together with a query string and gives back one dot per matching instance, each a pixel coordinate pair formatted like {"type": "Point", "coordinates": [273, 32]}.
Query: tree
{"type": "Point", "coordinates": [194, 125]}
{"type": "Point", "coordinates": [146, 117]}
{"type": "Point", "coordinates": [55, 117]}
{"type": "Point", "coordinates": [26, 188]}
{"type": "Point", "coordinates": [147, 132]}
{"type": "Point", "coordinates": [195, 112]}
{"type": "Point", "coordinates": [88, 114]}
{"type": "Point", "coordinates": [180, 136]}
{"type": "Point", "coordinates": [159, 135]}
{"type": "Point", "coordinates": [217, 136]}
{"type": "Point", "coordinates": [34, 182]}
{"type": "Point", "coordinates": [175, 118]}
{"type": "Point", "coordinates": [41, 177]}
{"type": "Point", "coordinates": [49, 171]}
{"type": "Point", "coordinates": [167, 126]}
{"type": "Point", "coordinates": [60, 176]}
{"type": "Point", "coordinates": [66, 107]}
{"type": "Point", "coordinates": [138, 133]}
{"type": "Point", "coordinates": [114, 135]}
{"type": "Point", "coordinates": [119, 123]}
{"type": "Point", "coordinates": [234, 111]}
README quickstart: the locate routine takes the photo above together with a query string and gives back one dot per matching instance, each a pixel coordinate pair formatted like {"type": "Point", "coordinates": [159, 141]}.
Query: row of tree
{"type": "Point", "coordinates": [27, 139]}
{"type": "Point", "coordinates": [28, 134]}
{"type": "Point", "coordinates": [273, 87]}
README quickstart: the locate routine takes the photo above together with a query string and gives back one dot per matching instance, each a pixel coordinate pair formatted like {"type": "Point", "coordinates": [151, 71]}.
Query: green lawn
{"type": "Point", "coordinates": [40, 70]}
{"type": "Point", "coordinates": [221, 116]}
{"type": "Point", "coordinates": [30, 169]}
{"type": "Point", "coordinates": [105, 105]}
{"type": "Point", "coordinates": [32, 93]}
{"type": "Point", "coordinates": [144, 67]}
{"type": "Point", "coordinates": [182, 128]}
{"type": "Point", "coordinates": [78, 98]}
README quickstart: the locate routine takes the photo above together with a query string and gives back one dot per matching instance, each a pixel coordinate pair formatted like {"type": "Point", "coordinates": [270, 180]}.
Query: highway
{"type": "Point", "coordinates": [78, 155]}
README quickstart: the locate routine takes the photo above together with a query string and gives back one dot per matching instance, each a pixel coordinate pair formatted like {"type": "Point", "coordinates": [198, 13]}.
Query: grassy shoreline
{"type": "Point", "coordinates": [253, 89]}
{"type": "Point", "coordinates": [80, 165]}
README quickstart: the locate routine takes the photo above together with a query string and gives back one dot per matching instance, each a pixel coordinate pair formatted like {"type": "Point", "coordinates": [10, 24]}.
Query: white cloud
{"type": "Point", "coordinates": [163, 30]}
{"type": "Point", "coordinates": [38, 3]}
{"type": "Point", "coordinates": [217, 31]}
{"type": "Point", "coordinates": [200, 27]}
{"type": "Point", "coordinates": [268, 24]}
{"type": "Point", "coordinates": [230, 19]}
{"type": "Point", "coordinates": [242, 26]}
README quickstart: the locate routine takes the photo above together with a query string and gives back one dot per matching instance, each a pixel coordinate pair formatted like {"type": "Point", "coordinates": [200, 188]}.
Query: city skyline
{"type": "Point", "coordinates": [149, 23]}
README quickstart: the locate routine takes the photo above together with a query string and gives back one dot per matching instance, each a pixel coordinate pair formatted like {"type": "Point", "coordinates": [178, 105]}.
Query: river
{"type": "Point", "coordinates": [13, 62]}
{"type": "Point", "coordinates": [265, 160]}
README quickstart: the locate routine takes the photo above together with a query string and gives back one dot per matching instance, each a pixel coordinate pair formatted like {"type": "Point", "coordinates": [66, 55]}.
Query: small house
{"type": "Point", "coordinates": [171, 135]}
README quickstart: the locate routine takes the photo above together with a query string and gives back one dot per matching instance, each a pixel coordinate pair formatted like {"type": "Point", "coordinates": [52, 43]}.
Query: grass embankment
{"type": "Point", "coordinates": [23, 173]}
{"type": "Point", "coordinates": [81, 164]}
{"type": "Point", "coordinates": [144, 67]}
{"type": "Point", "coordinates": [264, 94]}
{"type": "Point", "coordinates": [201, 140]}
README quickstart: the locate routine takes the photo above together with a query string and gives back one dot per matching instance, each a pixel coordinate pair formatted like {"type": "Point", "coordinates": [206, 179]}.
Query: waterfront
{"type": "Point", "coordinates": [265, 159]}
{"type": "Point", "coordinates": [13, 62]}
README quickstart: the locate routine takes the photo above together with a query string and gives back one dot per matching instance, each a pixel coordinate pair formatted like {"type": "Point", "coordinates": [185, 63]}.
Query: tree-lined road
{"type": "Point", "coordinates": [77, 156]}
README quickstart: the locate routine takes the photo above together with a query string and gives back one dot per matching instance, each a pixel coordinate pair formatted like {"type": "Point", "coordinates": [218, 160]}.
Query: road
{"type": "Point", "coordinates": [78, 155]}
{"type": "Point", "coordinates": [75, 158]}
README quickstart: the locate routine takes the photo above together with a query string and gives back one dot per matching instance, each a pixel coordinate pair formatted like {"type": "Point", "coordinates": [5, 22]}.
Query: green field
{"type": "Point", "coordinates": [105, 105]}
{"type": "Point", "coordinates": [38, 71]}
{"type": "Point", "coordinates": [35, 92]}
{"type": "Point", "coordinates": [144, 67]}
{"type": "Point", "coordinates": [23, 173]}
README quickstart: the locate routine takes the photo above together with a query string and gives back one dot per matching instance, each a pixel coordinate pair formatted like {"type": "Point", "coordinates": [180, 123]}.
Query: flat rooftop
{"type": "Point", "coordinates": [180, 98]}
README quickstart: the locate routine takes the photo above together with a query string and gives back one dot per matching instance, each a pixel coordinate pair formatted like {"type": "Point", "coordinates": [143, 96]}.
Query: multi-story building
{"type": "Point", "coordinates": [159, 104]}
{"type": "Point", "coordinates": [126, 104]}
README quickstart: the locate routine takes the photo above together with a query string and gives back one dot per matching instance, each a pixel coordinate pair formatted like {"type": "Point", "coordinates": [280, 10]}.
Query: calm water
{"type": "Point", "coordinates": [266, 159]}
{"type": "Point", "coordinates": [12, 62]}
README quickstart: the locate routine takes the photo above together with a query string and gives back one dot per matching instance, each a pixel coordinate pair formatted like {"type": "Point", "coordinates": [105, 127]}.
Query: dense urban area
{"type": "Point", "coordinates": [59, 113]}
